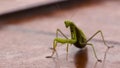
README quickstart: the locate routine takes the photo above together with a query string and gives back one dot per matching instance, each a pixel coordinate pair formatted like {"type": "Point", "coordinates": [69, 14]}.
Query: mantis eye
{"type": "Point", "coordinates": [67, 23]}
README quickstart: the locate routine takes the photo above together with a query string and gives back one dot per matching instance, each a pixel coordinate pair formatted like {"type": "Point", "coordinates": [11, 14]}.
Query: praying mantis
{"type": "Point", "coordinates": [78, 39]}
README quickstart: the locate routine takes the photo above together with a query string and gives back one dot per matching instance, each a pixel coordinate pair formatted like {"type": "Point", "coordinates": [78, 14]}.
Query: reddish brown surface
{"type": "Point", "coordinates": [26, 39]}
{"type": "Point", "coordinates": [15, 5]}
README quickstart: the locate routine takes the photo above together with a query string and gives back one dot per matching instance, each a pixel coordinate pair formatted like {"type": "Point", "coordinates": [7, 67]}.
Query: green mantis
{"type": "Point", "coordinates": [78, 38]}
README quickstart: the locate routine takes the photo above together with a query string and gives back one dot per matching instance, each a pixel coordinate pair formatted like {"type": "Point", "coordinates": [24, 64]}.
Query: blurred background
{"type": "Point", "coordinates": [28, 28]}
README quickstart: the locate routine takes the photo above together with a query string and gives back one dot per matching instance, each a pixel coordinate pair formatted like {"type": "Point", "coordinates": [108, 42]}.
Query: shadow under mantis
{"type": "Point", "coordinates": [81, 58]}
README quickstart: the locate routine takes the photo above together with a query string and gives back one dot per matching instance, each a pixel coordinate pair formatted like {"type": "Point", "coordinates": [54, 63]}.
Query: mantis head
{"type": "Point", "coordinates": [67, 23]}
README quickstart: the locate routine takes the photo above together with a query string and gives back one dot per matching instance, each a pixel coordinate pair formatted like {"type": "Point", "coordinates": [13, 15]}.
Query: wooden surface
{"type": "Point", "coordinates": [26, 37]}
{"type": "Point", "coordinates": [8, 6]}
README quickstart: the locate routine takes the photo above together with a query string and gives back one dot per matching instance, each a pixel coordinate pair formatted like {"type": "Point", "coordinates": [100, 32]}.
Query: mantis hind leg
{"type": "Point", "coordinates": [99, 31]}
{"type": "Point", "coordinates": [93, 46]}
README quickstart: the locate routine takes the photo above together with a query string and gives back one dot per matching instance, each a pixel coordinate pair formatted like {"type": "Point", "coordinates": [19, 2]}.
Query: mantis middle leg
{"type": "Point", "coordinates": [99, 31]}
{"type": "Point", "coordinates": [61, 40]}
{"type": "Point", "coordinates": [58, 30]}
{"type": "Point", "coordinates": [94, 52]}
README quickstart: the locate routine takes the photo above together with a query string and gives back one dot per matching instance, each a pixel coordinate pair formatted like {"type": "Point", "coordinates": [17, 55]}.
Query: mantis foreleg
{"type": "Point", "coordinates": [58, 30]}
{"type": "Point", "coordinates": [61, 40]}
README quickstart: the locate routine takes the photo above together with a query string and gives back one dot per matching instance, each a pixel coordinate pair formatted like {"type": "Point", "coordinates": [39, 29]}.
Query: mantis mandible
{"type": "Point", "coordinates": [78, 38]}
